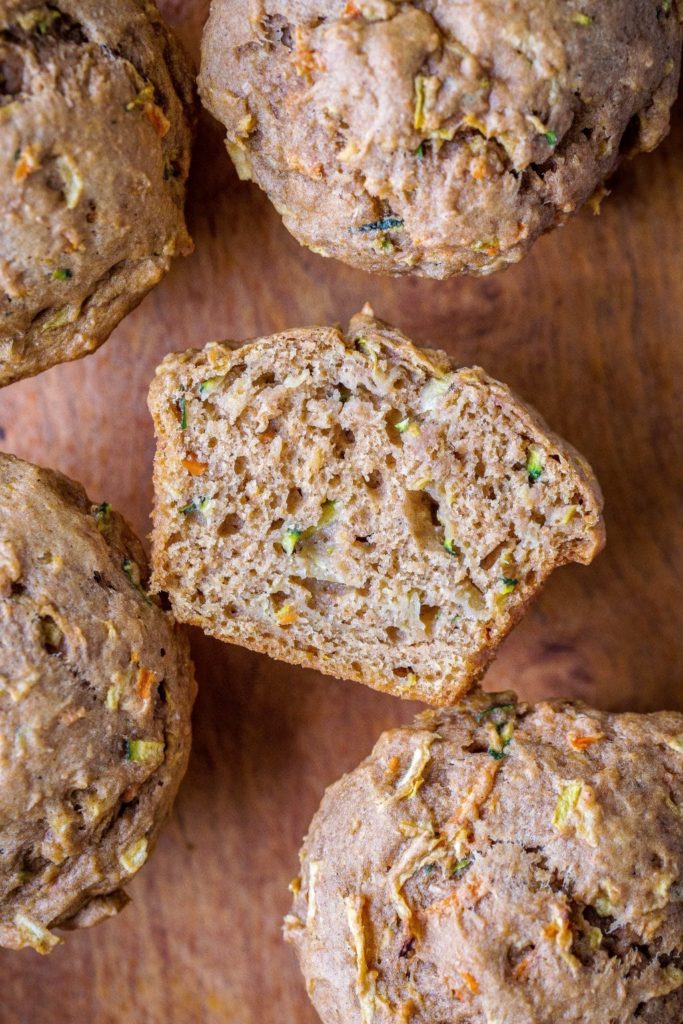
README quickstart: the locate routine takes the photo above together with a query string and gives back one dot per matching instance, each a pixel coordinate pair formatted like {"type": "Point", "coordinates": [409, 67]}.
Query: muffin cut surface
{"type": "Point", "coordinates": [96, 690]}
{"type": "Point", "coordinates": [356, 505]}
{"type": "Point", "coordinates": [500, 862]}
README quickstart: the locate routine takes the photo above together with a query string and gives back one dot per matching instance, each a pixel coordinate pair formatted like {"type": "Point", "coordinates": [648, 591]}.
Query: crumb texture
{"type": "Point", "coordinates": [354, 504]}
{"type": "Point", "coordinates": [500, 862]}
{"type": "Point", "coordinates": [96, 690]}
{"type": "Point", "coordinates": [96, 105]}
{"type": "Point", "coordinates": [437, 136]}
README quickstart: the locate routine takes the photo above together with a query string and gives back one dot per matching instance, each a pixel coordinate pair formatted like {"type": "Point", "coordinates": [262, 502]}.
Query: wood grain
{"type": "Point", "coordinates": [589, 329]}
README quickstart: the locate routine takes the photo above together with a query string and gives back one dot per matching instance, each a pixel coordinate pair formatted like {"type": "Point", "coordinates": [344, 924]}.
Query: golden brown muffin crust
{"type": "Point", "coordinates": [436, 136]}
{"type": "Point", "coordinates": [499, 862]}
{"type": "Point", "coordinates": [96, 690]}
{"type": "Point", "coordinates": [96, 104]}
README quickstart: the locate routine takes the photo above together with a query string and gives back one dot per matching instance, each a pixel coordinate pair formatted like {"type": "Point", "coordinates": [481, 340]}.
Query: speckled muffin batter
{"type": "Point", "coordinates": [96, 105]}
{"type": "Point", "coordinates": [437, 136]}
{"type": "Point", "coordinates": [500, 863]}
{"type": "Point", "coordinates": [96, 690]}
{"type": "Point", "coordinates": [352, 503]}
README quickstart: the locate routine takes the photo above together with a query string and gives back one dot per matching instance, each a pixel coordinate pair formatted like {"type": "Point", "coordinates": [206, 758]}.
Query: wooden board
{"type": "Point", "coordinates": [590, 329]}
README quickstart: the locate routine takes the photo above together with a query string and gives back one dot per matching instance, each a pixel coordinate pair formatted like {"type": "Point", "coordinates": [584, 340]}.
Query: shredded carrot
{"type": "Point", "coordinates": [477, 796]}
{"type": "Point", "coordinates": [158, 120]}
{"type": "Point", "coordinates": [303, 58]}
{"type": "Point", "coordinates": [449, 902]}
{"type": "Point", "coordinates": [27, 163]}
{"type": "Point", "coordinates": [522, 968]}
{"type": "Point", "coordinates": [145, 683]}
{"type": "Point", "coordinates": [194, 466]}
{"type": "Point", "coordinates": [582, 742]}
{"type": "Point", "coordinates": [351, 11]}
{"type": "Point", "coordinates": [267, 435]}
{"type": "Point", "coordinates": [470, 981]}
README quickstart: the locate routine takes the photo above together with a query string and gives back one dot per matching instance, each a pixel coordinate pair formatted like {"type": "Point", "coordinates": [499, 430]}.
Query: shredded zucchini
{"type": "Point", "coordinates": [566, 804]}
{"type": "Point", "coordinates": [60, 318]}
{"type": "Point", "coordinates": [384, 224]}
{"type": "Point", "coordinates": [35, 935]}
{"type": "Point", "coordinates": [410, 782]}
{"type": "Point", "coordinates": [312, 906]}
{"type": "Point", "coordinates": [181, 403]}
{"type": "Point", "coordinates": [72, 179]}
{"type": "Point", "coordinates": [132, 571]}
{"type": "Point", "coordinates": [200, 504]}
{"type": "Point", "coordinates": [208, 387]}
{"type": "Point", "coordinates": [534, 463]}
{"type": "Point", "coordinates": [103, 517]}
{"type": "Point", "coordinates": [420, 93]}
{"type": "Point", "coordinates": [434, 392]}
{"type": "Point", "coordinates": [577, 806]}
{"type": "Point", "coordinates": [366, 980]}
{"type": "Point", "coordinates": [328, 513]}
{"type": "Point", "coordinates": [39, 20]}
{"type": "Point", "coordinates": [144, 750]}
{"type": "Point", "coordinates": [132, 859]}
{"type": "Point", "coordinates": [293, 535]}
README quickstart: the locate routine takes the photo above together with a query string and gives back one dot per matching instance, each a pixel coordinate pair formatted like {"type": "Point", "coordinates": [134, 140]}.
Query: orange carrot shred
{"type": "Point", "coordinates": [158, 120]}
{"type": "Point", "coordinates": [145, 682]}
{"type": "Point", "coordinates": [522, 968]}
{"type": "Point", "coordinates": [582, 742]}
{"type": "Point", "coordinates": [27, 164]}
{"type": "Point", "coordinates": [194, 467]}
{"type": "Point", "coordinates": [470, 981]}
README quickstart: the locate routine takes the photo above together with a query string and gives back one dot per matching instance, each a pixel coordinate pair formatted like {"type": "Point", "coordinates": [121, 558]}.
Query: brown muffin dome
{"type": "Point", "coordinates": [500, 863]}
{"type": "Point", "coordinates": [437, 136]}
{"type": "Point", "coordinates": [95, 108]}
{"type": "Point", "coordinates": [96, 690]}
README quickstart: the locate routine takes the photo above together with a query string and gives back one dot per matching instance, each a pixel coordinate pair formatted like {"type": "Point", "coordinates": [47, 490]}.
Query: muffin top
{"type": "Point", "coordinates": [436, 136]}
{"type": "Point", "coordinates": [95, 131]}
{"type": "Point", "coordinates": [96, 689]}
{"type": "Point", "coordinates": [500, 862]}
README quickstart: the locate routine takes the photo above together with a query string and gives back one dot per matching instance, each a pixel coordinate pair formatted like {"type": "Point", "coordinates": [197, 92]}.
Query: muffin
{"type": "Point", "coordinates": [96, 104]}
{"type": "Point", "coordinates": [498, 862]}
{"type": "Point", "coordinates": [443, 137]}
{"type": "Point", "coordinates": [349, 502]}
{"type": "Point", "coordinates": [96, 690]}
